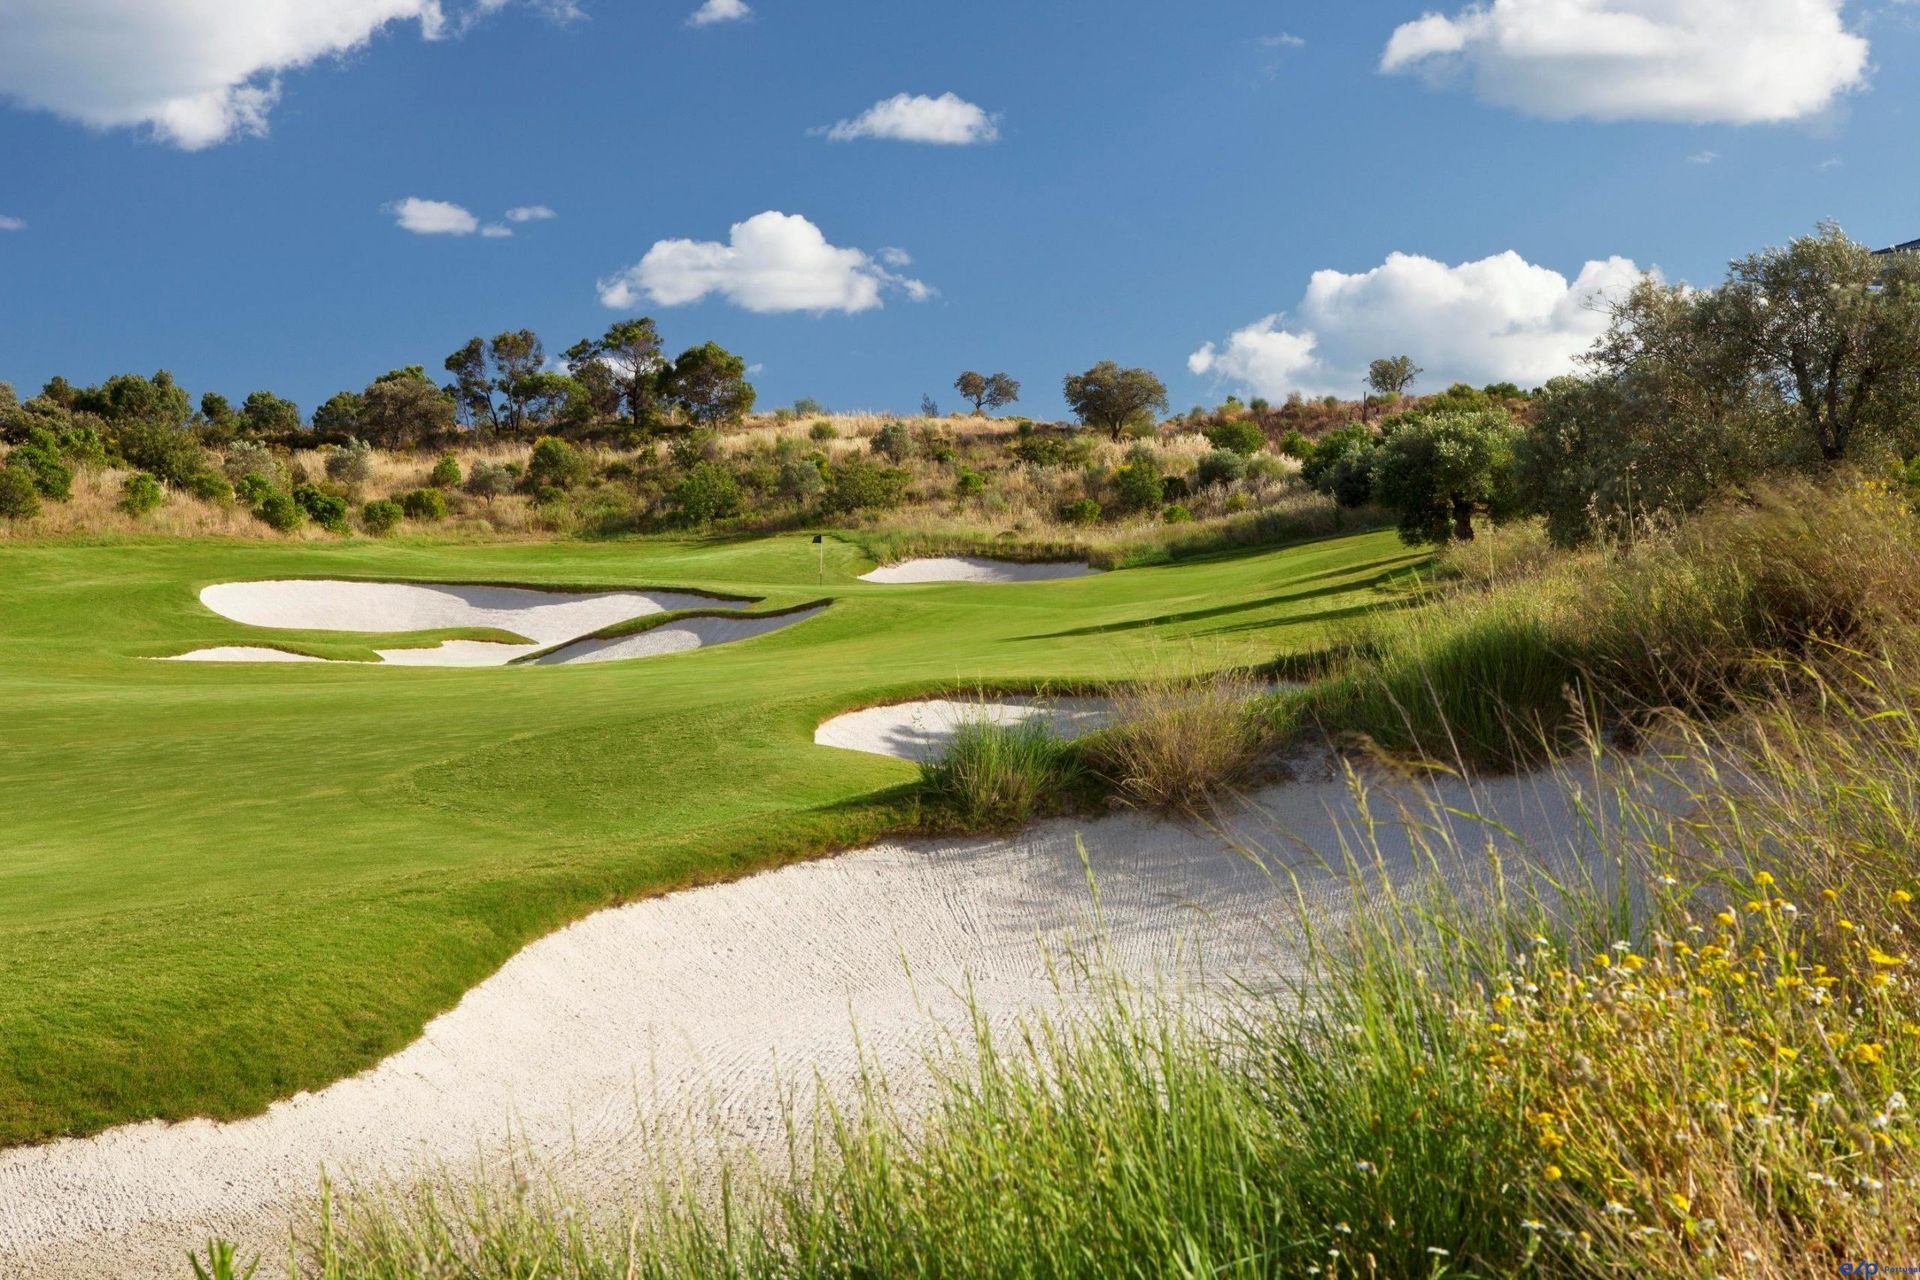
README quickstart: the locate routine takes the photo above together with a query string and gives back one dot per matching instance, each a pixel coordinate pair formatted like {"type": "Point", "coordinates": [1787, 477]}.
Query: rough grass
{"type": "Point", "coordinates": [1000, 775]}
{"type": "Point", "coordinates": [1181, 738]}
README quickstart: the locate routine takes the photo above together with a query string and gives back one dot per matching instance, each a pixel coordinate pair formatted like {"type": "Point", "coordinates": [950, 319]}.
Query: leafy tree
{"type": "Point", "coordinates": [1392, 375]}
{"type": "Point", "coordinates": [708, 492]}
{"type": "Point", "coordinates": [266, 414]}
{"type": "Point", "coordinates": [472, 386]}
{"type": "Point", "coordinates": [1343, 445]}
{"type": "Point", "coordinates": [629, 351]}
{"type": "Point", "coordinates": [1108, 397]}
{"type": "Point", "coordinates": [168, 452]}
{"type": "Point", "coordinates": [340, 415]}
{"type": "Point", "coordinates": [19, 498]}
{"type": "Point", "coordinates": [1137, 484]}
{"type": "Point", "coordinates": [216, 409]}
{"type": "Point", "coordinates": [808, 407]}
{"type": "Point", "coordinates": [129, 398]}
{"type": "Point", "coordinates": [402, 409]}
{"type": "Point", "coordinates": [1438, 473]}
{"type": "Point", "coordinates": [1239, 435]}
{"type": "Point", "coordinates": [517, 356]}
{"type": "Point", "coordinates": [555, 464]}
{"type": "Point", "coordinates": [140, 493]}
{"type": "Point", "coordinates": [491, 479]}
{"type": "Point", "coordinates": [708, 384]}
{"type": "Point", "coordinates": [40, 458]}
{"type": "Point", "coordinates": [800, 480]}
{"type": "Point", "coordinates": [987, 391]}
{"type": "Point", "coordinates": [599, 384]}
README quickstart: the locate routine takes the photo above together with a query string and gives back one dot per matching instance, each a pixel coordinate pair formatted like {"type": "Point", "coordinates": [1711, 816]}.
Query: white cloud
{"type": "Point", "coordinates": [530, 213]}
{"type": "Point", "coordinates": [772, 262]}
{"type": "Point", "coordinates": [12, 224]}
{"type": "Point", "coordinates": [194, 72]}
{"type": "Point", "coordinates": [1284, 40]}
{"type": "Point", "coordinates": [496, 231]}
{"type": "Point", "coordinates": [433, 217]}
{"type": "Point", "coordinates": [719, 11]}
{"type": "Point", "coordinates": [1697, 61]}
{"type": "Point", "coordinates": [1703, 157]}
{"type": "Point", "coordinates": [896, 258]}
{"type": "Point", "coordinates": [1498, 319]}
{"type": "Point", "coordinates": [947, 120]}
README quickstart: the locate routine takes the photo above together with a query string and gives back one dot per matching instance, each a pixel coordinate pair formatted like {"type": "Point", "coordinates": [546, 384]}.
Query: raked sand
{"type": "Point", "coordinates": [974, 569]}
{"type": "Point", "coordinates": [714, 1000]}
{"type": "Point", "coordinates": [923, 730]}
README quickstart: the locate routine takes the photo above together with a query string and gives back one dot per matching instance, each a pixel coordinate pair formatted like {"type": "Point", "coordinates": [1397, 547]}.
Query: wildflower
{"type": "Point", "coordinates": [1668, 881]}
{"type": "Point", "coordinates": [1551, 1173]}
{"type": "Point", "coordinates": [1869, 1054]}
{"type": "Point", "coordinates": [1830, 895]}
{"type": "Point", "coordinates": [1844, 923]}
{"type": "Point", "coordinates": [1823, 1099]}
{"type": "Point", "coordinates": [1540, 941]}
{"type": "Point", "coordinates": [1896, 1101]}
{"type": "Point", "coordinates": [1635, 963]}
{"type": "Point", "coordinates": [1884, 960]}
{"type": "Point", "coordinates": [1437, 1251]}
{"type": "Point", "coordinates": [1622, 947]}
{"type": "Point", "coordinates": [1726, 918]}
{"type": "Point", "coordinates": [1784, 1053]}
{"type": "Point", "coordinates": [1764, 879]}
{"type": "Point", "coordinates": [1528, 1224]}
{"type": "Point", "coordinates": [1680, 1202]}
{"type": "Point", "coordinates": [1344, 1229]}
{"type": "Point", "coordinates": [1617, 1209]}
{"type": "Point", "coordinates": [1901, 897]}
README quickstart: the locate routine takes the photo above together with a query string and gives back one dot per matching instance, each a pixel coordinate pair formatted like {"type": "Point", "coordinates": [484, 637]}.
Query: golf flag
{"type": "Point", "coordinates": [819, 538]}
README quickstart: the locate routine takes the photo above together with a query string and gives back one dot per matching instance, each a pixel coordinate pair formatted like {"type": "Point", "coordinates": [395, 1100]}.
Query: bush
{"type": "Point", "coordinates": [1237, 435]}
{"type": "Point", "coordinates": [140, 493]}
{"type": "Point", "coordinates": [210, 486]}
{"type": "Point", "coordinates": [1000, 775]}
{"type": "Point", "coordinates": [424, 504]}
{"type": "Point", "coordinates": [1176, 514]}
{"type": "Point", "coordinates": [555, 465]}
{"type": "Point", "coordinates": [1083, 512]}
{"type": "Point", "coordinates": [19, 499]}
{"type": "Point", "coordinates": [859, 485]}
{"type": "Point", "coordinates": [894, 442]}
{"type": "Point", "coordinates": [40, 459]}
{"type": "Point", "coordinates": [446, 473]}
{"type": "Point", "coordinates": [350, 464]}
{"type": "Point", "coordinates": [1136, 485]}
{"type": "Point", "coordinates": [707, 493]}
{"type": "Point", "coordinates": [253, 488]}
{"type": "Point", "coordinates": [381, 518]}
{"type": "Point", "coordinates": [168, 453]}
{"type": "Point", "coordinates": [969, 484]}
{"type": "Point", "coordinates": [800, 480]}
{"type": "Point", "coordinates": [324, 509]}
{"type": "Point", "coordinates": [1296, 445]}
{"type": "Point", "coordinates": [1175, 489]}
{"type": "Point", "coordinates": [823, 431]}
{"type": "Point", "coordinates": [1221, 467]}
{"type": "Point", "coordinates": [279, 511]}
{"type": "Point", "coordinates": [244, 457]}
{"type": "Point", "coordinates": [1179, 742]}
{"type": "Point", "coordinates": [491, 479]}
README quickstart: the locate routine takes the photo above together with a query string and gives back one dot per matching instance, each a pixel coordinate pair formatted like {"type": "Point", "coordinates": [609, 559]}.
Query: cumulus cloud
{"type": "Point", "coordinates": [1696, 61]}
{"type": "Point", "coordinates": [948, 120]}
{"type": "Point", "coordinates": [719, 11]}
{"type": "Point", "coordinates": [433, 217]}
{"type": "Point", "coordinates": [530, 213]}
{"type": "Point", "coordinates": [772, 262]}
{"type": "Point", "coordinates": [1498, 319]}
{"type": "Point", "coordinates": [194, 72]}
{"type": "Point", "coordinates": [12, 224]}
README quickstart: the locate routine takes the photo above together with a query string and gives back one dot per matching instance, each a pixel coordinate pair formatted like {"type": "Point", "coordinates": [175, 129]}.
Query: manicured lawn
{"type": "Point", "coordinates": [223, 884]}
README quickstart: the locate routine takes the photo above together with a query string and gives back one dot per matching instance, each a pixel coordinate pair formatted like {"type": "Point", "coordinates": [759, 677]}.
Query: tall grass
{"type": "Point", "coordinates": [1181, 739]}
{"type": "Point", "coordinates": [995, 775]}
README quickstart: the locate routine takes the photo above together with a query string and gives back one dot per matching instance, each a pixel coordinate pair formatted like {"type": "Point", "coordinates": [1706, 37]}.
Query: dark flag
{"type": "Point", "coordinates": [819, 538]}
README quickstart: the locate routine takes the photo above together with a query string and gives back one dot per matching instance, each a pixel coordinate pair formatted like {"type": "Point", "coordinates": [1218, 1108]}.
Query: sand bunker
{"type": "Point", "coordinates": [675, 637]}
{"type": "Point", "coordinates": [920, 731]}
{"type": "Point", "coordinates": [715, 999]}
{"type": "Point", "coordinates": [974, 569]}
{"type": "Point", "coordinates": [545, 618]}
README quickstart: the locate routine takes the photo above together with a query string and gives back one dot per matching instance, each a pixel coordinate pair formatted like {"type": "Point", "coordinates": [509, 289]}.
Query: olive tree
{"type": "Point", "coordinates": [1392, 375]}
{"type": "Point", "coordinates": [1436, 473]}
{"type": "Point", "coordinates": [1108, 397]}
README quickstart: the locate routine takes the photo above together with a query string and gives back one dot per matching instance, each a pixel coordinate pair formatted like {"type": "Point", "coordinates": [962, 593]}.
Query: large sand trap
{"type": "Point", "coordinates": [546, 618]}
{"type": "Point", "coordinates": [717, 998]}
{"type": "Point", "coordinates": [244, 653]}
{"type": "Point", "coordinates": [675, 637]}
{"type": "Point", "coordinates": [974, 569]}
{"type": "Point", "coordinates": [920, 731]}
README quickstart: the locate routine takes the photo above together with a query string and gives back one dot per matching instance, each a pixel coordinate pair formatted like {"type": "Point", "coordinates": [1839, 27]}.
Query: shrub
{"type": "Point", "coordinates": [894, 442]}
{"type": "Point", "coordinates": [279, 511]}
{"type": "Point", "coordinates": [998, 775]}
{"type": "Point", "coordinates": [969, 484]}
{"type": "Point", "coordinates": [1176, 514]}
{"type": "Point", "coordinates": [800, 480]}
{"type": "Point", "coordinates": [491, 479]}
{"type": "Point", "coordinates": [707, 493]}
{"type": "Point", "coordinates": [1136, 485]}
{"type": "Point", "coordinates": [1221, 467]}
{"type": "Point", "coordinates": [1083, 512]}
{"type": "Point", "coordinates": [351, 463]}
{"type": "Point", "coordinates": [253, 488]}
{"type": "Point", "coordinates": [1237, 435]}
{"type": "Point", "coordinates": [1175, 489]}
{"type": "Point", "coordinates": [324, 509]}
{"type": "Point", "coordinates": [1178, 742]}
{"type": "Point", "coordinates": [244, 457]}
{"type": "Point", "coordinates": [424, 504]}
{"type": "Point", "coordinates": [168, 453]}
{"type": "Point", "coordinates": [859, 485]}
{"type": "Point", "coordinates": [210, 486]}
{"type": "Point", "coordinates": [555, 464]}
{"type": "Point", "coordinates": [446, 473]}
{"type": "Point", "coordinates": [823, 431]}
{"type": "Point", "coordinates": [40, 458]}
{"type": "Point", "coordinates": [140, 493]}
{"type": "Point", "coordinates": [19, 499]}
{"type": "Point", "coordinates": [381, 518]}
{"type": "Point", "coordinates": [1296, 445]}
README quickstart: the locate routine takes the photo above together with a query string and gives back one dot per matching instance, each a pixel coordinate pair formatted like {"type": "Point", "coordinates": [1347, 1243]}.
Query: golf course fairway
{"type": "Point", "coordinates": [224, 883]}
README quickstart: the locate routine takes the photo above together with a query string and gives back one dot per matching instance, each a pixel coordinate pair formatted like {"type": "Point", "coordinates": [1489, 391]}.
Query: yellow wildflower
{"type": "Point", "coordinates": [1764, 879]}
{"type": "Point", "coordinates": [1552, 1173]}
{"type": "Point", "coordinates": [1726, 918]}
{"type": "Point", "coordinates": [1902, 897]}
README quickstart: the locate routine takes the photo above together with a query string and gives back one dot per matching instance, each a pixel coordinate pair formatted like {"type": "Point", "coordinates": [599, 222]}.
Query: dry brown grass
{"type": "Point", "coordinates": [1182, 741]}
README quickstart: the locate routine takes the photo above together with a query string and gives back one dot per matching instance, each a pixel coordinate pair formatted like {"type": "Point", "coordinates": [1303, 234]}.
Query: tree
{"type": "Point", "coordinates": [1392, 375]}
{"type": "Point", "coordinates": [216, 409]}
{"type": "Point", "coordinates": [987, 391]}
{"type": "Point", "coordinates": [709, 385]}
{"type": "Point", "coordinates": [19, 499]}
{"type": "Point", "coordinates": [128, 397]}
{"type": "Point", "coordinates": [402, 409]}
{"type": "Point", "coordinates": [1108, 397]}
{"type": "Point", "coordinates": [266, 414]}
{"type": "Point", "coordinates": [555, 464]}
{"type": "Point", "coordinates": [1137, 484]}
{"type": "Point", "coordinates": [1437, 473]}
{"type": "Point", "coordinates": [517, 356]}
{"type": "Point", "coordinates": [599, 385]}
{"type": "Point", "coordinates": [1240, 435]}
{"type": "Point", "coordinates": [472, 389]}
{"type": "Point", "coordinates": [1837, 328]}
{"type": "Point", "coordinates": [340, 415]}
{"type": "Point", "coordinates": [633, 349]}
{"type": "Point", "coordinates": [707, 493]}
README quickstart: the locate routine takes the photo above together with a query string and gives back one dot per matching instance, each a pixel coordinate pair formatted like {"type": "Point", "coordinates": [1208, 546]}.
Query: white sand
{"type": "Point", "coordinates": [974, 569]}
{"type": "Point", "coordinates": [243, 653]}
{"type": "Point", "coordinates": [923, 730]}
{"type": "Point", "coordinates": [546, 618]}
{"type": "Point", "coordinates": [710, 998]}
{"type": "Point", "coordinates": [674, 637]}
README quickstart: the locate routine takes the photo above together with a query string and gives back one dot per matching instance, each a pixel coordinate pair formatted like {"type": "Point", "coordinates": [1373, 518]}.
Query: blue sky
{"type": "Point", "coordinates": [1161, 177]}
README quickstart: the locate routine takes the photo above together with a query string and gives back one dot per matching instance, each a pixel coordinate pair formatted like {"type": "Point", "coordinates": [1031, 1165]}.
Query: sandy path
{"type": "Point", "coordinates": [923, 730]}
{"type": "Point", "coordinates": [974, 569]}
{"type": "Point", "coordinates": [708, 998]}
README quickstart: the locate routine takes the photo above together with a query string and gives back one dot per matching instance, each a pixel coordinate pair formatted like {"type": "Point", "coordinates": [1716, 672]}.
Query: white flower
{"type": "Point", "coordinates": [1437, 1251]}
{"type": "Point", "coordinates": [1530, 1225]}
{"type": "Point", "coordinates": [1617, 1209]}
{"type": "Point", "coordinates": [1364, 1166]}
{"type": "Point", "coordinates": [1896, 1101]}
{"type": "Point", "coordinates": [1668, 881]}
{"type": "Point", "coordinates": [1622, 947]}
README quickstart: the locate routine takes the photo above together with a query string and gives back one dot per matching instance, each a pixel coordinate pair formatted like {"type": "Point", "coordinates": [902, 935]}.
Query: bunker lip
{"type": "Point", "coordinates": [922, 729]}
{"type": "Point", "coordinates": [680, 633]}
{"type": "Point", "coordinates": [982, 569]}
{"type": "Point", "coordinates": [642, 625]}
{"type": "Point", "coordinates": [715, 999]}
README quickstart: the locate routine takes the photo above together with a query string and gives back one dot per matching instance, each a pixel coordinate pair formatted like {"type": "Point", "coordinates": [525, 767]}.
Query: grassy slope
{"type": "Point", "coordinates": [220, 884]}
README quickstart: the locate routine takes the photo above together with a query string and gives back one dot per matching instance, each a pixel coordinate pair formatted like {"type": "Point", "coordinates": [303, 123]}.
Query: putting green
{"type": "Point", "coordinates": [223, 884]}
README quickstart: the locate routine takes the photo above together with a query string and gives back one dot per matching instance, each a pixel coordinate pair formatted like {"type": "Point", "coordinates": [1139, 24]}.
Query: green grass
{"type": "Point", "coordinates": [223, 884]}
